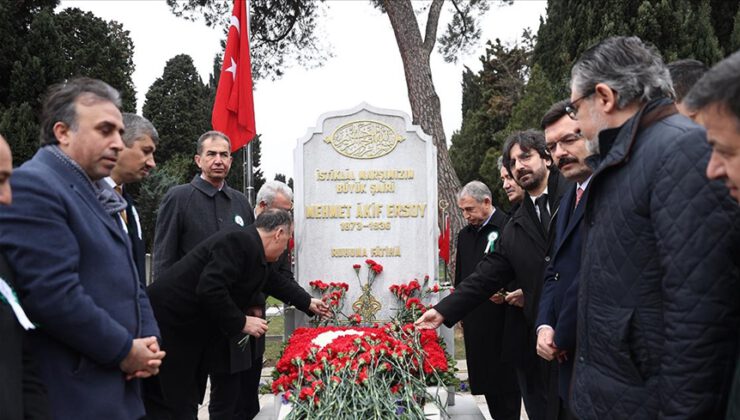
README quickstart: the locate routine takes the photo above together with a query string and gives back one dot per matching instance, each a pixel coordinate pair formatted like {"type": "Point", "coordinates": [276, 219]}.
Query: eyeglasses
{"type": "Point", "coordinates": [571, 108]}
{"type": "Point", "coordinates": [564, 142]}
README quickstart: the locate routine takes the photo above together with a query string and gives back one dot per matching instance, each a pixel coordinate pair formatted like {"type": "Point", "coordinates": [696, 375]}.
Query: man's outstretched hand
{"type": "Point", "coordinates": [429, 320]}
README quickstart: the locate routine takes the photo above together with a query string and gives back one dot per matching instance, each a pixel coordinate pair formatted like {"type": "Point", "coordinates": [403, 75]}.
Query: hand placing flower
{"type": "Point", "coordinates": [319, 307]}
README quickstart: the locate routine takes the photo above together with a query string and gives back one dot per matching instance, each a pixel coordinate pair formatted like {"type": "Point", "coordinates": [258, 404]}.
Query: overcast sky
{"type": "Point", "coordinates": [366, 65]}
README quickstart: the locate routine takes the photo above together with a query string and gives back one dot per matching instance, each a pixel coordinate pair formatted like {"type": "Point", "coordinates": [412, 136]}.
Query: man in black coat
{"type": "Point", "coordinates": [134, 163]}
{"type": "Point", "coordinates": [235, 385]}
{"type": "Point", "coordinates": [556, 320]}
{"type": "Point", "coordinates": [192, 212]}
{"type": "Point", "coordinates": [519, 258]}
{"type": "Point", "coordinates": [716, 101]}
{"type": "Point", "coordinates": [202, 297]}
{"type": "Point", "coordinates": [484, 327]}
{"type": "Point", "coordinates": [22, 394]}
{"type": "Point", "coordinates": [188, 215]}
{"type": "Point", "coordinates": [659, 285]}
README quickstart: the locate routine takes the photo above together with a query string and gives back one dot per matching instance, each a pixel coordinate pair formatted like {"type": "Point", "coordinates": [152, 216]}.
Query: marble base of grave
{"type": "Point", "coordinates": [464, 408]}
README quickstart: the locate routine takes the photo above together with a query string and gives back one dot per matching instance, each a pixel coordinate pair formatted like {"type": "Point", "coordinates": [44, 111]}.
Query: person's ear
{"type": "Point", "coordinates": [196, 158]}
{"type": "Point", "coordinates": [606, 98]}
{"type": "Point", "coordinates": [61, 132]}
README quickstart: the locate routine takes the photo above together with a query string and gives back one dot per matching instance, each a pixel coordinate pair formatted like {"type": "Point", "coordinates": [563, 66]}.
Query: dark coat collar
{"type": "Point", "coordinates": [615, 144]}
{"type": "Point", "coordinates": [207, 188]}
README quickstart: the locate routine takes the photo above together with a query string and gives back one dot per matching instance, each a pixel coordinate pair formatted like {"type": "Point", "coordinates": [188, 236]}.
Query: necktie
{"type": "Point", "coordinates": [579, 194]}
{"type": "Point", "coordinates": [541, 203]}
{"type": "Point", "coordinates": [123, 214]}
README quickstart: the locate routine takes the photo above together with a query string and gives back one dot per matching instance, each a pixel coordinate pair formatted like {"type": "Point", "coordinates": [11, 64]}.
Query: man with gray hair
{"type": "Point", "coordinates": [134, 163]}
{"type": "Point", "coordinates": [190, 213]}
{"type": "Point", "coordinates": [484, 326]}
{"type": "Point", "coordinates": [716, 100]}
{"type": "Point", "coordinates": [75, 275]}
{"type": "Point", "coordinates": [657, 310]}
{"type": "Point", "coordinates": [201, 298]}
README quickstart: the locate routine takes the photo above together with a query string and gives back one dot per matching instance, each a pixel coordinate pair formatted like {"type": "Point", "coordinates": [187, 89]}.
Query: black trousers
{"type": "Point", "coordinates": [236, 396]}
{"type": "Point", "coordinates": [533, 385]}
{"type": "Point", "coordinates": [504, 406]}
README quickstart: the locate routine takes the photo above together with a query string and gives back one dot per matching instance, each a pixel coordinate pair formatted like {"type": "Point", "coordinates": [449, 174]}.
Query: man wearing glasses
{"type": "Point", "coordinates": [518, 262]}
{"type": "Point", "coordinates": [556, 319]}
{"type": "Point", "coordinates": [657, 319]}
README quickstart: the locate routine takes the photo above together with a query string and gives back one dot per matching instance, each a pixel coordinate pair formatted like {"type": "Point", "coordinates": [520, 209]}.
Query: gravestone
{"type": "Point", "coordinates": [366, 188]}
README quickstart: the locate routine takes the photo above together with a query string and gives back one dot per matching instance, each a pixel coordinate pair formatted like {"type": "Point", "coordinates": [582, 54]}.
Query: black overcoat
{"type": "Point", "coordinates": [202, 298]}
{"type": "Point", "coordinates": [484, 326]}
{"type": "Point", "coordinates": [520, 256]}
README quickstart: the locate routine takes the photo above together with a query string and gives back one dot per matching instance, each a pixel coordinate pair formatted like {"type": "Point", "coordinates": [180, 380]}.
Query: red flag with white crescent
{"type": "Point", "coordinates": [233, 109]}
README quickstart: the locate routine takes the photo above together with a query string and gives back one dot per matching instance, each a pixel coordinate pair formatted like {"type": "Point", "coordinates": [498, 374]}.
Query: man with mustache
{"type": "Point", "coordinates": [716, 101]}
{"type": "Point", "coordinates": [657, 318]}
{"type": "Point", "coordinates": [134, 163]}
{"type": "Point", "coordinates": [520, 259]}
{"type": "Point", "coordinates": [75, 274]}
{"type": "Point", "coordinates": [556, 320]}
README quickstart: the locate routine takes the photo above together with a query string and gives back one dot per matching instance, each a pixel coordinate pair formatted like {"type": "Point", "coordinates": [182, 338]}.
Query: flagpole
{"type": "Point", "coordinates": [248, 166]}
{"type": "Point", "coordinates": [248, 175]}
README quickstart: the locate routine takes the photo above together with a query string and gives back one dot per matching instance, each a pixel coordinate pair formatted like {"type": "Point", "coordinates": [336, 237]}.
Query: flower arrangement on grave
{"type": "Point", "coordinates": [361, 372]}
{"type": "Point", "coordinates": [413, 298]}
{"type": "Point", "coordinates": [348, 368]}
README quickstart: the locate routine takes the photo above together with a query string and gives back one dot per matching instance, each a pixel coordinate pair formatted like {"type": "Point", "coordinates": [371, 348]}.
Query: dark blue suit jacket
{"type": "Point", "coordinates": [77, 280]}
{"type": "Point", "coordinates": [558, 303]}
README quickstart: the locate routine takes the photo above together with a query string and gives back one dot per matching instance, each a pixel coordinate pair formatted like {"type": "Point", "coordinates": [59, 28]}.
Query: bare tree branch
{"type": "Point", "coordinates": [430, 35]}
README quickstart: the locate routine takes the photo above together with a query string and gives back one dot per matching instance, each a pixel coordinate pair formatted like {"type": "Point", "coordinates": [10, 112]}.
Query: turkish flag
{"type": "Point", "coordinates": [444, 242]}
{"type": "Point", "coordinates": [233, 110]}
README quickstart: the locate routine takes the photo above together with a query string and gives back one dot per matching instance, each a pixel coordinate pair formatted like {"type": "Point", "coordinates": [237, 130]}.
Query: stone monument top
{"type": "Point", "coordinates": [365, 188]}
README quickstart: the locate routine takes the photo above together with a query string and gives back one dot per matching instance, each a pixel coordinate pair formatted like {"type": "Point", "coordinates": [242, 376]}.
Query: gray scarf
{"type": "Point", "coordinates": [107, 197]}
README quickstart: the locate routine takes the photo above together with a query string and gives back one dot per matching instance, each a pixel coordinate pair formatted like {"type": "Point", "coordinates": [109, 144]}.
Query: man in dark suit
{"type": "Point", "coordinates": [235, 385]}
{"type": "Point", "coordinates": [556, 321]}
{"type": "Point", "coordinates": [22, 395]}
{"type": "Point", "coordinates": [202, 297]}
{"type": "Point", "coordinates": [134, 163]}
{"type": "Point", "coordinates": [519, 258]}
{"type": "Point", "coordinates": [75, 275]}
{"type": "Point", "coordinates": [484, 327]}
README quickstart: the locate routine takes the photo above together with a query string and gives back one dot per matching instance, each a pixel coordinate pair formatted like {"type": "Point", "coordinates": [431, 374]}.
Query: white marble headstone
{"type": "Point", "coordinates": [366, 188]}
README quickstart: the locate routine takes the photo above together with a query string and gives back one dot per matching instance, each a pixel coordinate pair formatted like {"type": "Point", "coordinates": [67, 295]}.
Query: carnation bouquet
{"type": "Point", "coordinates": [347, 367]}
{"type": "Point", "coordinates": [360, 372]}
